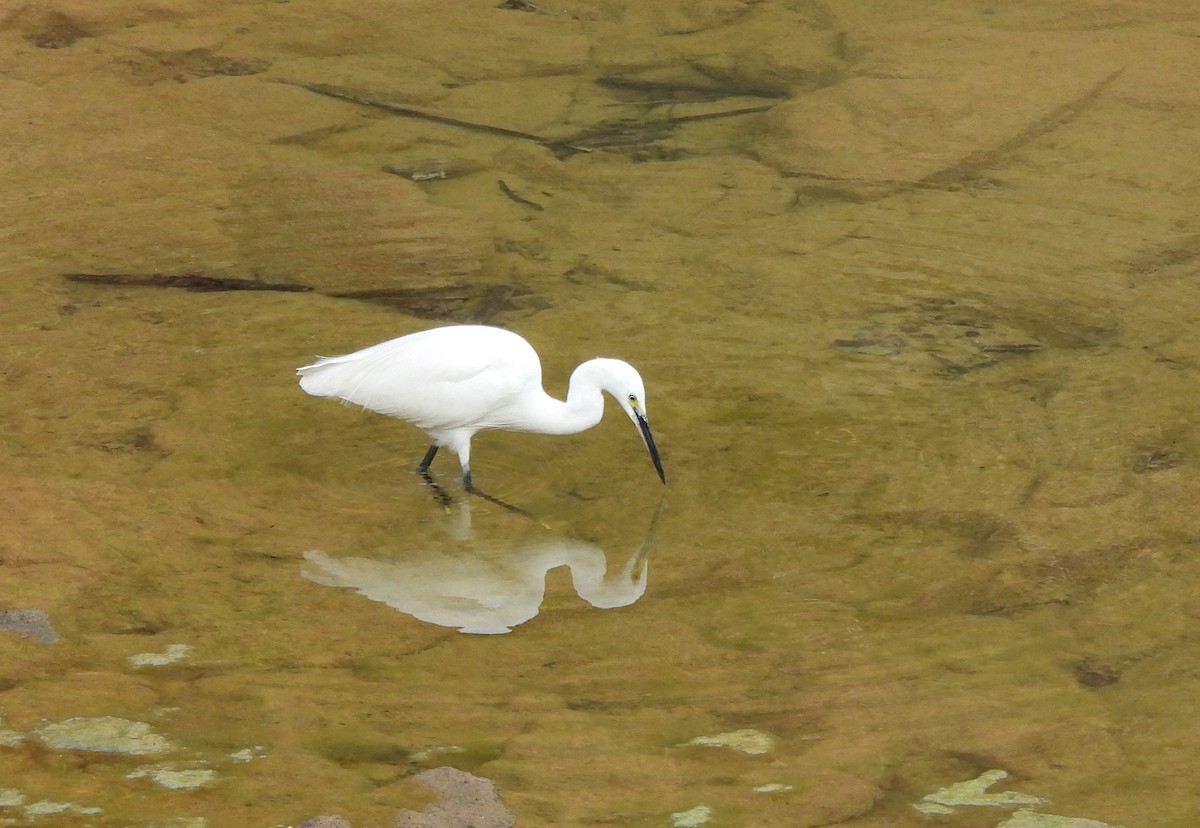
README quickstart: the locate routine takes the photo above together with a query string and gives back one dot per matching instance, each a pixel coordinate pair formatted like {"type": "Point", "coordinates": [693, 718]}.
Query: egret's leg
{"type": "Point", "coordinates": [423, 470]}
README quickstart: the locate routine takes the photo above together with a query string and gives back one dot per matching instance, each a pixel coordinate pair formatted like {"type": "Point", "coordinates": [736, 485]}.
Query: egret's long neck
{"type": "Point", "coordinates": [582, 410]}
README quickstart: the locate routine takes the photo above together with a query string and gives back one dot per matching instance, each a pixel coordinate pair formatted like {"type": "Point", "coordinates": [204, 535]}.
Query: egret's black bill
{"type": "Point", "coordinates": [644, 426]}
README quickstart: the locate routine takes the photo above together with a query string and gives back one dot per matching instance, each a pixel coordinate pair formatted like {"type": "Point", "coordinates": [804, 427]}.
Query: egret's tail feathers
{"type": "Point", "coordinates": [344, 378]}
{"type": "Point", "coordinates": [318, 380]}
{"type": "Point", "coordinates": [311, 381]}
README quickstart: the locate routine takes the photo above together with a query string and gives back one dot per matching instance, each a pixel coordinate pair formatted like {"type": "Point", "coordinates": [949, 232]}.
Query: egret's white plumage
{"type": "Point", "coordinates": [455, 381]}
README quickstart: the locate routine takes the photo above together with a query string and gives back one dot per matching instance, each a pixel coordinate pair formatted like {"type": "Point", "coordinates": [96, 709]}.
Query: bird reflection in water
{"type": "Point", "coordinates": [486, 588]}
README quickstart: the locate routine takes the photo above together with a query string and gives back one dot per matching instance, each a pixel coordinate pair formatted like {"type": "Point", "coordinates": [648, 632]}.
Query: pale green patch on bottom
{"type": "Point", "coordinates": [45, 807]}
{"type": "Point", "coordinates": [105, 734]}
{"type": "Point", "coordinates": [692, 817]}
{"type": "Point", "coordinates": [1032, 819]}
{"type": "Point", "coordinates": [173, 653]}
{"type": "Point", "coordinates": [754, 742]}
{"type": "Point", "coordinates": [173, 778]}
{"type": "Point", "coordinates": [973, 792]}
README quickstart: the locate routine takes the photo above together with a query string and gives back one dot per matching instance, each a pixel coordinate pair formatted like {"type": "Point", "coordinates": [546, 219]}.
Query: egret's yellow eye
{"type": "Point", "coordinates": [633, 398]}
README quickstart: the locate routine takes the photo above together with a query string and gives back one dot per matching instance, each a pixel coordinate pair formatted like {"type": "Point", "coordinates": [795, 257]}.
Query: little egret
{"type": "Point", "coordinates": [455, 381]}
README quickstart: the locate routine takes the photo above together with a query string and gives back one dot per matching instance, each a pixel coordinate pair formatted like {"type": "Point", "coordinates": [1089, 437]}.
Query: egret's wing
{"type": "Point", "coordinates": [457, 377]}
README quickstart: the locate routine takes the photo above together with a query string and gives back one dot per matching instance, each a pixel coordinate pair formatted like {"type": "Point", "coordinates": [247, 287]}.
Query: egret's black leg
{"type": "Point", "coordinates": [423, 470]}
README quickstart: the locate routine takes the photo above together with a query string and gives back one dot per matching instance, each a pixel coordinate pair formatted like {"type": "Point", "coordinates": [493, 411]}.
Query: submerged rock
{"type": "Point", "coordinates": [464, 801]}
{"type": "Point", "coordinates": [333, 821]}
{"type": "Point", "coordinates": [29, 622]}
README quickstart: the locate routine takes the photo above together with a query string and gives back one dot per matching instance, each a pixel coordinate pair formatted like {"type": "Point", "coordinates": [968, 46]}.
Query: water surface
{"type": "Point", "coordinates": [919, 339]}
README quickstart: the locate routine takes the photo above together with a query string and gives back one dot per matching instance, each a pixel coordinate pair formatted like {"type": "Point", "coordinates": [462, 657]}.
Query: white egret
{"type": "Point", "coordinates": [455, 381]}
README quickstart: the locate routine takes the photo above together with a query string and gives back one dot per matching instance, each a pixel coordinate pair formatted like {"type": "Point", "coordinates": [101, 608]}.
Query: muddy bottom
{"type": "Point", "coordinates": [914, 293]}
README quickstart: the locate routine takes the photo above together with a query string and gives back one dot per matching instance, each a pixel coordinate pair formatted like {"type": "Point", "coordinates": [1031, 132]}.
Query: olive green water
{"type": "Point", "coordinates": [920, 343]}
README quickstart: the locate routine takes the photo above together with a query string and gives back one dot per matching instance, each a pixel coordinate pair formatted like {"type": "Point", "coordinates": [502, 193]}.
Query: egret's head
{"type": "Point", "coordinates": [624, 383]}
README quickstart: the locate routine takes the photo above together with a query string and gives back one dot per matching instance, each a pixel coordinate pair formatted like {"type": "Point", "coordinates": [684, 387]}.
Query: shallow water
{"type": "Point", "coordinates": [920, 350]}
